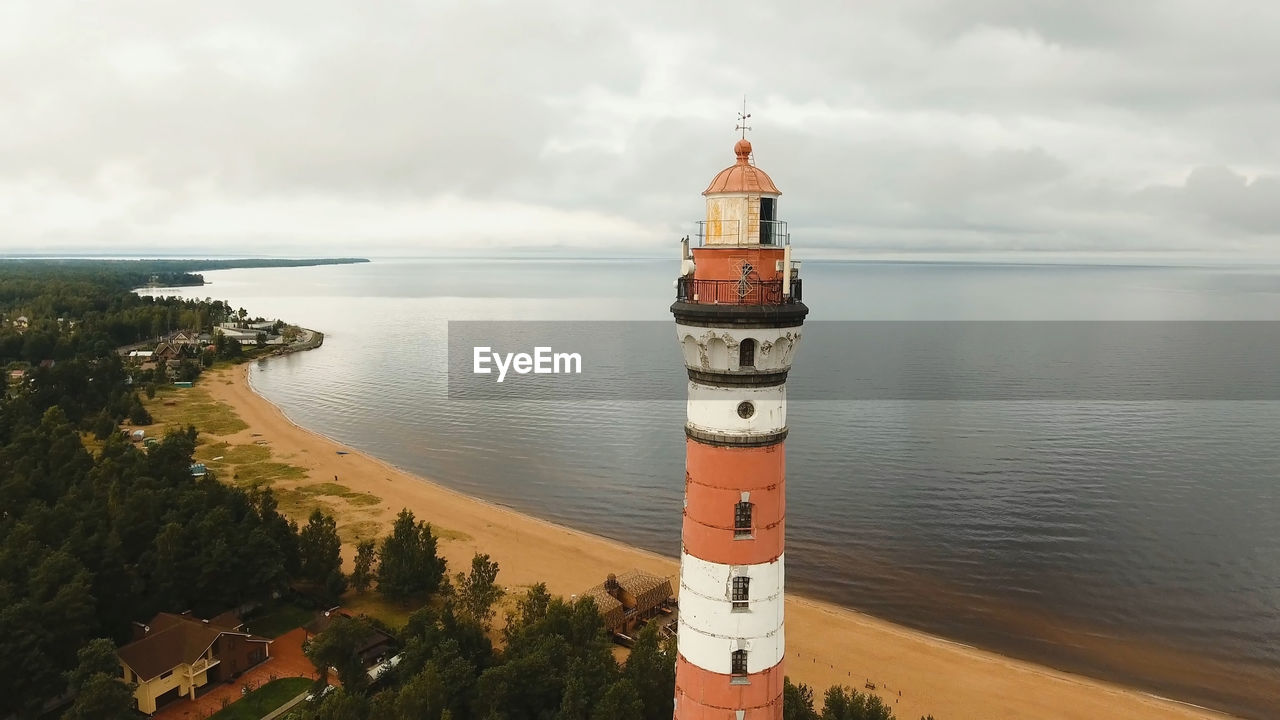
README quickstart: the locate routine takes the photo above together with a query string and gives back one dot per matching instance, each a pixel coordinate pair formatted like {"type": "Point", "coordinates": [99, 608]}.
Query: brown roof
{"type": "Point", "coordinates": [174, 640]}
{"type": "Point", "coordinates": [742, 176]}
{"type": "Point", "coordinates": [650, 591]}
{"type": "Point", "coordinates": [608, 605]}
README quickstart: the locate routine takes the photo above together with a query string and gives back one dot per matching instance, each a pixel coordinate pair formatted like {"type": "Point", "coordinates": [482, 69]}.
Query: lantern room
{"type": "Point", "coordinates": [742, 206]}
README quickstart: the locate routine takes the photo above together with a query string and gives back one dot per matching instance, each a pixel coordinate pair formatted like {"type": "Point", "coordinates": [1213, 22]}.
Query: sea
{"type": "Point", "coordinates": [1130, 536]}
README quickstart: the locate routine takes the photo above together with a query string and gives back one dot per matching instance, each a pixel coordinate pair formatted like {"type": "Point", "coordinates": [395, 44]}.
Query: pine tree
{"type": "Point", "coordinates": [366, 560]}
{"type": "Point", "coordinates": [320, 551]}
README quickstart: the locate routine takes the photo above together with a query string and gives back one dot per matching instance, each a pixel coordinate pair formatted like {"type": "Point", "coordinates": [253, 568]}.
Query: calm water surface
{"type": "Point", "coordinates": [1136, 541]}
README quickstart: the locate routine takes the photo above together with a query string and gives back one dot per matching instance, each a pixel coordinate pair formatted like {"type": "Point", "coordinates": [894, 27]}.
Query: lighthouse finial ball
{"type": "Point", "coordinates": [742, 149]}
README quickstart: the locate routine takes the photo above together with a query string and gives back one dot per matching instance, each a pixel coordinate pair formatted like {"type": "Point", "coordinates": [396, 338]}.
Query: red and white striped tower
{"type": "Point", "coordinates": [738, 318]}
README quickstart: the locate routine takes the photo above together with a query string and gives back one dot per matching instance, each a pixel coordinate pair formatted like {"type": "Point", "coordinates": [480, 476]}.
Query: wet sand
{"type": "Point", "coordinates": [826, 644]}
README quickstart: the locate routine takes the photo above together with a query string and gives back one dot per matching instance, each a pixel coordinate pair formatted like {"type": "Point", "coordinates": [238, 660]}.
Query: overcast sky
{"type": "Point", "coordinates": [373, 127]}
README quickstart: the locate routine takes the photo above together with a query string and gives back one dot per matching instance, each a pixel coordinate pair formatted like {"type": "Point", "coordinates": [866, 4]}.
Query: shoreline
{"type": "Point", "coordinates": [827, 644]}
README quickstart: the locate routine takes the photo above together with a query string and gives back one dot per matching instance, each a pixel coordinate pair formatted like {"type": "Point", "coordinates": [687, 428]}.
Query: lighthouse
{"type": "Point", "coordinates": [738, 314]}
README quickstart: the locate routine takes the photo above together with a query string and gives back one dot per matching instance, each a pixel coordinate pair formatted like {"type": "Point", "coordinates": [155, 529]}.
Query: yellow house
{"type": "Point", "coordinates": [174, 655]}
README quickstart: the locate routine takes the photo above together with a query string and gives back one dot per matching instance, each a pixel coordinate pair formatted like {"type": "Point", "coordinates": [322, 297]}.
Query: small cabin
{"type": "Point", "coordinates": [626, 601]}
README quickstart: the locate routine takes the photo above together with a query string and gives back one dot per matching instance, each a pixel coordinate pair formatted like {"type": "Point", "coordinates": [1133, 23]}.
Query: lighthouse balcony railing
{"type": "Point", "coordinates": [735, 233]}
{"type": "Point", "coordinates": [736, 292]}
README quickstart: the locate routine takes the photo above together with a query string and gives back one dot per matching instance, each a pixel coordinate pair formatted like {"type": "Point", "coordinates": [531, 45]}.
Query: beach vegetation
{"type": "Point", "coordinates": [195, 406]}
{"type": "Point", "coordinates": [228, 454]}
{"type": "Point", "coordinates": [356, 532]}
{"type": "Point", "coordinates": [259, 474]}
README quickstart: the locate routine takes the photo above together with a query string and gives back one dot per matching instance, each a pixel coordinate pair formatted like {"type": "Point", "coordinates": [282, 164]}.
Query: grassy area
{"type": "Point", "coordinates": [391, 613]}
{"type": "Point", "coordinates": [342, 491]}
{"type": "Point", "coordinates": [227, 453]}
{"type": "Point", "coordinates": [251, 465]}
{"type": "Point", "coordinates": [194, 406]}
{"type": "Point", "coordinates": [353, 533]}
{"type": "Point", "coordinates": [278, 619]}
{"type": "Point", "coordinates": [264, 473]}
{"type": "Point", "coordinates": [263, 700]}
{"type": "Point", "coordinates": [444, 533]}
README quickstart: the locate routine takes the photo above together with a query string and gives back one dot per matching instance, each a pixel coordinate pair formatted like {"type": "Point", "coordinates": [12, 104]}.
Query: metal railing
{"type": "Point", "coordinates": [771, 233]}
{"type": "Point", "coordinates": [736, 292]}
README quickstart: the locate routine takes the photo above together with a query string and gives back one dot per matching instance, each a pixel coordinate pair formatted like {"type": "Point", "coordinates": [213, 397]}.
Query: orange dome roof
{"type": "Point", "coordinates": [742, 176]}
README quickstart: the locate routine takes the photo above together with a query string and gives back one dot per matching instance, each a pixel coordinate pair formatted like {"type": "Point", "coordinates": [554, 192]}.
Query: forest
{"type": "Point", "coordinates": [93, 539]}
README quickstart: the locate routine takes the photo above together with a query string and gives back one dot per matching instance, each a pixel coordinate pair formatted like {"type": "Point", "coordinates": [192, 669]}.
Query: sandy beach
{"type": "Point", "coordinates": [826, 644]}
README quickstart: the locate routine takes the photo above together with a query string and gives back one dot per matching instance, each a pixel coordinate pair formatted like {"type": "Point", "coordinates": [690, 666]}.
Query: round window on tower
{"type": "Point", "coordinates": [746, 409]}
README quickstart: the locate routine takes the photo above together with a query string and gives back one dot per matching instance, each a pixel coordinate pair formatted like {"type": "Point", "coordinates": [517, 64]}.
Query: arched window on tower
{"type": "Point", "coordinates": [742, 520]}
{"type": "Point", "coordinates": [747, 353]}
{"type": "Point", "coordinates": [738, 665]}
{"type": "Point", "coordinates": [741, 593]}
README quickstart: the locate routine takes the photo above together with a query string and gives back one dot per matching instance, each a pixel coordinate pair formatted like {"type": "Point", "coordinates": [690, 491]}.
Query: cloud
{"type": "Point", "coordinates": [984, 125]}
{"type": "Point", "coordinates": [1221, 199]}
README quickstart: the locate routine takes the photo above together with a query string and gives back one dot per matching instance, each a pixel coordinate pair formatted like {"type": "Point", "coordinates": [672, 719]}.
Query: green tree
{"type": "Point", "coordinates": [586, 680]}
{"type": "Point", "coordinates": [620, 702]}
{"type": "Point", "coordinates": [338, 648]}
{"type": "Point", "coordinates": [797, 701]}
{"type": "Point", "coordinates": [320, 553]}
{"type": "Point", "coordinates": [651, 669]}
{"type": "Point", "coordinates": [844, 703]}
{"type": "Point", "coordinates": [342, 704]}
{"type": "Point", "coordinates": [261, 339]}
{"type": "Point", "coordinates": [97, 657]}
{"type": "Point", "coordinates": [138, 414]}
{"type": "Point", "coordinates": [424, 697]}
{"type": "Point", "coordinates": [100, 694]}
{"type": "Point", "coordinates": [408, 565]}
{"type": "Point", "coordinates": [479, 591]}
{"type": "Point", "coordinates": [366, 560]}
{"type": "Point", "coordinates": [104, 427]}
{"type": "Point", "coordinates": [529, 610]}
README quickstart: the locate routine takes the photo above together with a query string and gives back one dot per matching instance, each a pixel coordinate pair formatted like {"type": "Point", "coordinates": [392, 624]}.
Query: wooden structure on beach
{"type": "Point", "coordinates": [628, 600]}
